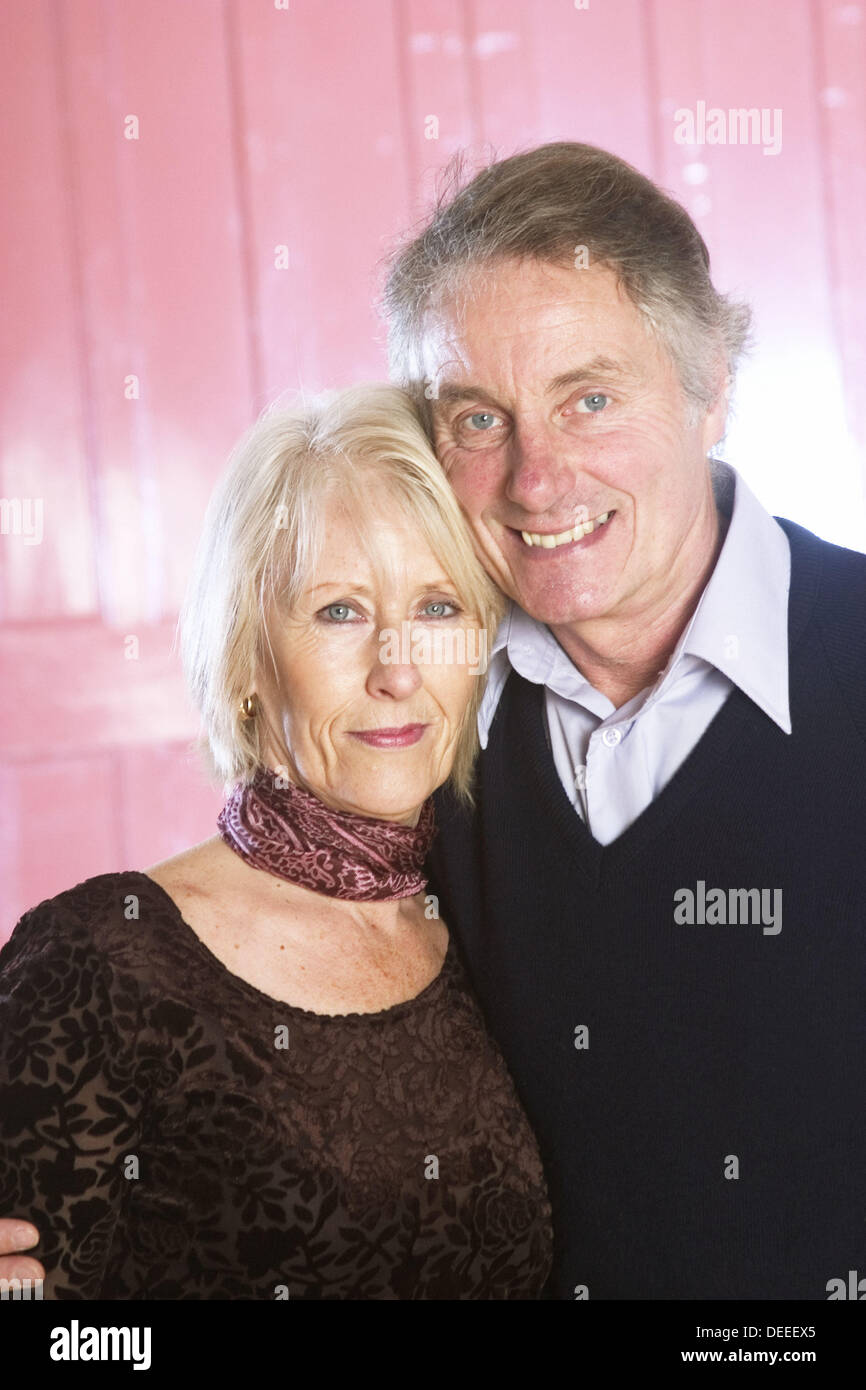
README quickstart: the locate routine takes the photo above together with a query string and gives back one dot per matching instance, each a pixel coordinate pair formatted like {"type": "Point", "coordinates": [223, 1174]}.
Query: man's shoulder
{"type": "Point", "coordinates": [827, 609]}
{"type": "Point", "coordinates": [838, 559]}
{"type": "Point", "coordinates": [828, 582]}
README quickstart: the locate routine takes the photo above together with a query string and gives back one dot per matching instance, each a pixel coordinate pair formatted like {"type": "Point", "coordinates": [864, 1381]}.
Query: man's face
{"type": "Point", "coordinates": [553, 406]}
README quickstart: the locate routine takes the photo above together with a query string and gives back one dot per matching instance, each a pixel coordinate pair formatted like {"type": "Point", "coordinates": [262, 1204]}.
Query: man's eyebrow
{"type": "Point", "coordinates": [452, 392]}
{"type": "Point", "coordinates": [596, 366]}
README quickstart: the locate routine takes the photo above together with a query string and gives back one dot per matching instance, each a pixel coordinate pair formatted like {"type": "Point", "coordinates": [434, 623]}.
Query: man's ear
{"type": "Point", "coordinates": [716, 417]}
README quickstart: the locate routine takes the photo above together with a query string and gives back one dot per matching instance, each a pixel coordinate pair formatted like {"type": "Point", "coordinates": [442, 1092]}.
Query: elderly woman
{"type": "Point", "coordinates": [256, 1070]}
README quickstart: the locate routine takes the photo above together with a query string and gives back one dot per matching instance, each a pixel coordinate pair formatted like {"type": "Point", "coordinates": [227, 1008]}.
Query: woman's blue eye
{"type": "Point", "coordinates": [338, 612]}
{"type": "Point", "coordinates": [440, 604]}
{"type": "Point", "coordinates": [597, 401]}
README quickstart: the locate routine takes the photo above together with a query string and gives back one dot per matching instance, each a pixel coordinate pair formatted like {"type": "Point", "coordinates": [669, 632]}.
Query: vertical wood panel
{"type": "Point", "coordinates": [163, 294]}
{"type": "Point", "coordinates": [78, 686]}
{"type": "Point", "coordinates": [433, 54]}
{"type": "Point", "coordinates": [166, 803]}
{"type": "Point", "coordinates": [593, 76]}
{"type": "Point", "coordinates": [841, 75]}
{"type": "Point", "coordinates": [503, 74]}
{"type": "Point", "coordinates": [42, 449]}
{"type": "Point", "coordinates": [60, 825]}
{"type": "Point", "coordinates": [328, 178]}
{"type": "Point", "coordinates": [763, 217]}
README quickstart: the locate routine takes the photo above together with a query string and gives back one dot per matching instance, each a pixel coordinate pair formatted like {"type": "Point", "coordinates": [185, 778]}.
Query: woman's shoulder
{"type": "Point", "coordinates": [196, 871]}
{"type": "Point", "coordinates": [90, 900]}
{"type": "Point", "coordinates": [100, 914]}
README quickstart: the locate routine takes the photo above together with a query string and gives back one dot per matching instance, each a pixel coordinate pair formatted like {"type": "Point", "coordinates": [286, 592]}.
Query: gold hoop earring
{"type": "Point", "coordinates": [249, 708]}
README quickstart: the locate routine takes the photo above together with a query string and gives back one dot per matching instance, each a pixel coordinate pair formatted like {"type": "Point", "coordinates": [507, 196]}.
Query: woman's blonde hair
{"type": "Point", "coordinates": [263, 533]}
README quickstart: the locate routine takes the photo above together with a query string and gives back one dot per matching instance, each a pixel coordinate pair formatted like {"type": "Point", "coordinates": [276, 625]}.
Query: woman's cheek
{"type": "Point", "coordinates": [454, 689]}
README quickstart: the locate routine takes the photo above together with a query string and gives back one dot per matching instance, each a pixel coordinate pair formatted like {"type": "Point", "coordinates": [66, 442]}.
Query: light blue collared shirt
{"type": "Point", "coordinates": [613, 762]}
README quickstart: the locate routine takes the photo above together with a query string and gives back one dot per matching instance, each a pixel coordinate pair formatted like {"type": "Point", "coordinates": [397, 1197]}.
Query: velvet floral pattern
{"type": "Point", "coordinates": [167, 1148]}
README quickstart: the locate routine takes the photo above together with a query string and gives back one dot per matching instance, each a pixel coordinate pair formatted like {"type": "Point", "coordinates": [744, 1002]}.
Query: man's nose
{"type": "Point", "coordinates": [541, 468]}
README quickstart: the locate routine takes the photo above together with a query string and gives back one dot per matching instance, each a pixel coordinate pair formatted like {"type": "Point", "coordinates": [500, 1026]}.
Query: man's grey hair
{"type": "Point", "coordinates": [546, 204]}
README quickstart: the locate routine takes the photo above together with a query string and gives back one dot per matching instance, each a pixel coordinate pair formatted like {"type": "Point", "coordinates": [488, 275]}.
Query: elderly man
{"type": "Point", "coordinates": [660, 893]}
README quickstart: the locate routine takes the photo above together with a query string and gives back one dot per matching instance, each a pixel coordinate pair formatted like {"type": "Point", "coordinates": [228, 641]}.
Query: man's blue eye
{"type": "Point", "coordinates": [597, 401]}
{"type": "Point", "coordinates": [482, 420]}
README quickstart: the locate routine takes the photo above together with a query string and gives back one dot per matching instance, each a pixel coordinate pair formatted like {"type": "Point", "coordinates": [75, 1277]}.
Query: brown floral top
{"type": "Point", "coordinates": [175, 1133]}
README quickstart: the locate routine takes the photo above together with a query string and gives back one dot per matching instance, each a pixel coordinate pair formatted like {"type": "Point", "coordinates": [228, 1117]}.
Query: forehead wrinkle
{"type": "Point", "coordinates": [452, 393]}
{"type": "Point", "coordinates": [596, 366]}
{"type": "Point", "coordinates": [589, 303]}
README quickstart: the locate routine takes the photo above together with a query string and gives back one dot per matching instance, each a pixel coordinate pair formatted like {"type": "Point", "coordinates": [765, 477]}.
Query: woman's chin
{"type": "Point", "coordinates": [401, 812]}
{"type": "Point", "coordinates": [401, 804]}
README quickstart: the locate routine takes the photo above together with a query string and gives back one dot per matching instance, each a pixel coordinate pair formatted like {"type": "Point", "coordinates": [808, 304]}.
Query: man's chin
{"type": "Point", "coordinates": [561, 610]}
{"type": "Point", "coordinates": [548, 584]}
{"type": "Point", "coordinates": [556, 616]}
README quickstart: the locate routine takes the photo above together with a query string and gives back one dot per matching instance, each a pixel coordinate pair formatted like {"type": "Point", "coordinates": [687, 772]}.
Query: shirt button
{"type": "Point", "coordinates": [611, 737]}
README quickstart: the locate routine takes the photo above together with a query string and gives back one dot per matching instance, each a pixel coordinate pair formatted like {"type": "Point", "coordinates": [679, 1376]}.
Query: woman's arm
{"type": "Point", "coordinates": [69, 1106]}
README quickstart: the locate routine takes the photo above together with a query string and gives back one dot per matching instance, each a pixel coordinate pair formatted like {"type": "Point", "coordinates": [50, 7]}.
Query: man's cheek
{"type": "Point", "coordinates": [476, 482]}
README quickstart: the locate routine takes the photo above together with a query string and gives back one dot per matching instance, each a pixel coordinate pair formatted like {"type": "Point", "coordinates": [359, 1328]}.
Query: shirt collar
{"type": "Point", "coordinates": [740, 625]}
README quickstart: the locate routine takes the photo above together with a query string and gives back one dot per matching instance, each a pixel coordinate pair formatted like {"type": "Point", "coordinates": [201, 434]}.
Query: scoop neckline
{"type": "Point", "coordinates": [237, 981]}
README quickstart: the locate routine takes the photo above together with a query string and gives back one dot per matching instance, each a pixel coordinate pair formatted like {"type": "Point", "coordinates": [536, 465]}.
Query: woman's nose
{"type": "Point", "coordinates": [393, 675]}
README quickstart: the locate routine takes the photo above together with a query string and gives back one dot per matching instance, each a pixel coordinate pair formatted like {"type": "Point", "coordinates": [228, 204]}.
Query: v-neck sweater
{"type": "Point", "coordinates": [692, 1055]}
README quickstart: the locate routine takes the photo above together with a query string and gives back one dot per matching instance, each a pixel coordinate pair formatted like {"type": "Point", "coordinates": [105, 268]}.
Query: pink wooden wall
{"type": "Point", "coordinates": [146, 320]}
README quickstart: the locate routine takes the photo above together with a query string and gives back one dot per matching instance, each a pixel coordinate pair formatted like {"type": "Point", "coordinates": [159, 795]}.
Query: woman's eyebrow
{"type": "Point", "coordinates": [354, 584]}
{"type": "Point", "coordinates": [356, 587]}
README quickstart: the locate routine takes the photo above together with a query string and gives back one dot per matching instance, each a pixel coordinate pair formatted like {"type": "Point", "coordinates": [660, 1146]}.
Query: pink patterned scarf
{"type": "Point", "coordinates": [287, 831]}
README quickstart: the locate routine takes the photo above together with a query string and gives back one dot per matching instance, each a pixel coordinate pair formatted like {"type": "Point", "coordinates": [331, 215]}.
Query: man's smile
{"type": "Point", "coordinates": [554, 540]}
{"type": "Point", "coordinates": [550, 540]}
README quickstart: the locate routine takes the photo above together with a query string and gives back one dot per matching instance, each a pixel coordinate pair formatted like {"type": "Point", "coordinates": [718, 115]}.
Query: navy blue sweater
{"type": "Point", "coordinates": [692, 1058]}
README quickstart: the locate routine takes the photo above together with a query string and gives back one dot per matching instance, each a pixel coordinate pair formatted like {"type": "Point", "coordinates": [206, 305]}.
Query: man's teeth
{"type": "Point", "coordinates": [549, 542]}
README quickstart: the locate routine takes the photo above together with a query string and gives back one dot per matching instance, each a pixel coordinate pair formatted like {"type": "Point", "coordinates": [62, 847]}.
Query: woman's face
{"type": "Point", "coordinates": [374, 670]}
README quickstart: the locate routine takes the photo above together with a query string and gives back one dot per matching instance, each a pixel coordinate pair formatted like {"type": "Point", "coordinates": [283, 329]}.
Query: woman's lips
{"type": "Point", "coordinates": [390, 738]}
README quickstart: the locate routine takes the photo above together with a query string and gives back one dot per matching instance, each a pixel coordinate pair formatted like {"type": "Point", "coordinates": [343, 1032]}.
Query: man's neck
{"type": "Point", "coordinates": [621, 657]}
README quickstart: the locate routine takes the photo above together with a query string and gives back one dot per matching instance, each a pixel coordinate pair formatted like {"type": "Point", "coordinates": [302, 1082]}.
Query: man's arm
{"type": "Point", "coordinates": [17, 1236]}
